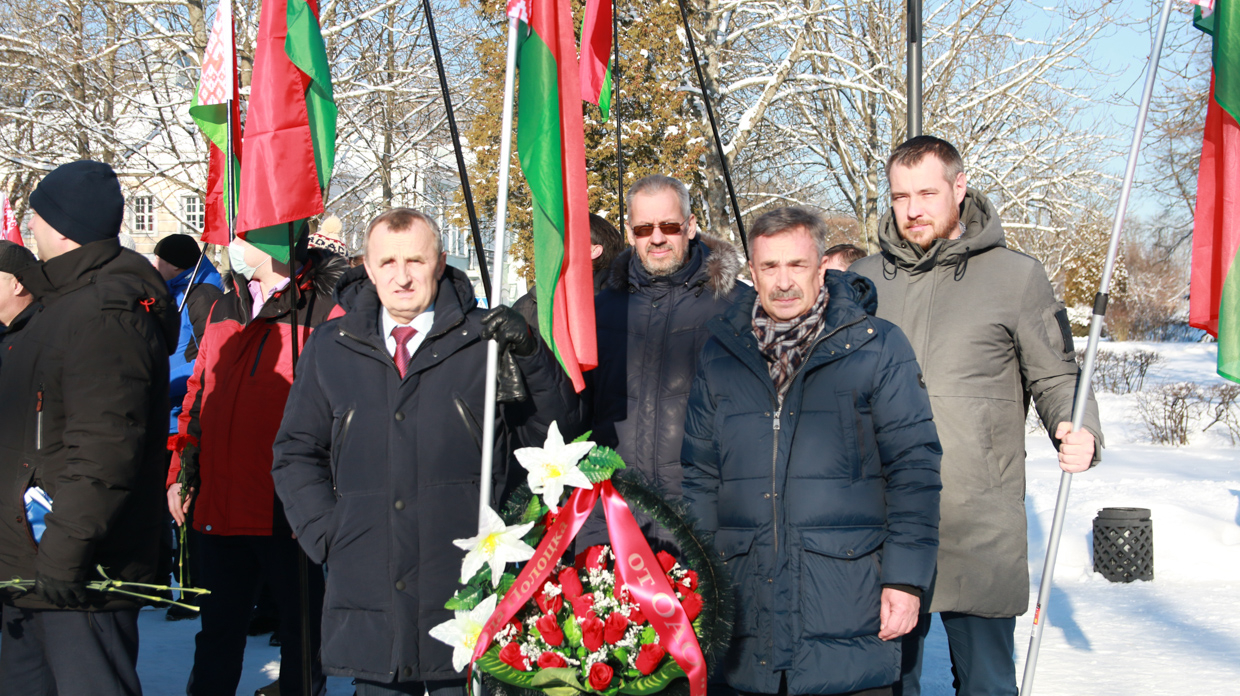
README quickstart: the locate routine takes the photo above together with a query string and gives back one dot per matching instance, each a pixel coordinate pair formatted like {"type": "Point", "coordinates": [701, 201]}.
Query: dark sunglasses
{"type": "Point", "coordinates": [668, 228]}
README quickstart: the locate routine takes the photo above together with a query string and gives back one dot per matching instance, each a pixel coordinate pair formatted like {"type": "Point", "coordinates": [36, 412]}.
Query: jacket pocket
{"type": "Point", "coordinates": [340, 431]}
{"type": "Point", "coordinates": [357, 559]}
{"type": "Point", "coordinates": [733, 547]}
{"type": "Point", "coordinates": [840, 588]}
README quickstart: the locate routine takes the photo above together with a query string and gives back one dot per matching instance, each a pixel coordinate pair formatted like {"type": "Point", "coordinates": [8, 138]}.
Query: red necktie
{"type": "Point", "coordinates": [402, 334]}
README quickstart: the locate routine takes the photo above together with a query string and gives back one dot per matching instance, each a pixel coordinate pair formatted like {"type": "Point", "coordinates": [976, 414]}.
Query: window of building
{"type": "Point", "coordinates": [144, 214]}
{"type": "Point", "coordinates": [194, 213]}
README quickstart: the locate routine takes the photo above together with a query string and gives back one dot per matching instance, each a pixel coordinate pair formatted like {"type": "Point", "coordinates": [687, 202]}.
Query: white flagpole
{"type": "Point", "coordinates": [497, 298]}
{"type": "Point", "coordinates": [1091, 350]}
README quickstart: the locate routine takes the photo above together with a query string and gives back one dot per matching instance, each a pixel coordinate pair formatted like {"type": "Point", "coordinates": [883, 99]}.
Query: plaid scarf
{"type": "Point", "coordinates": [785, 345]}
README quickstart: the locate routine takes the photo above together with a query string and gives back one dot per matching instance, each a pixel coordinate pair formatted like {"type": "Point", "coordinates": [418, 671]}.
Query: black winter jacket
{"type": "Point", "coordinates": [9, 334]}
{"type": "Point", "coordinates": [98, 351]}
{"type": "Point", "coordinates": [817, 501]}
{"type": "Point", "coordinates": [379, 475]}
{"type": "Point", "coordinates": [650, 333]}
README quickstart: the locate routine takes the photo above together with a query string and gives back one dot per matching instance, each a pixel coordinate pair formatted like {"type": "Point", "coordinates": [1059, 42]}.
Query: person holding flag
{"type": "Point", "coordinates": [378, 457]}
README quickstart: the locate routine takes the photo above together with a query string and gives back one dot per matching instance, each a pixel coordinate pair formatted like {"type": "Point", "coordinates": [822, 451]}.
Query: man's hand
{"type": "Point", "coordinates": [508, 328]}
{"type": "Point", "coordinates": [69, 594]}
{"type": "Point", "coordinates": [1076, 450]}
{"type": "Point", "coordinates": [898, 614]}
{"type": "Point", "coordinates": [178, 505]}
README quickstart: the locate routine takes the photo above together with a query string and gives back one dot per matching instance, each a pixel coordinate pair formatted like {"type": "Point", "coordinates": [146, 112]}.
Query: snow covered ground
{"type": "Point", "coordinates": [1179, 634]}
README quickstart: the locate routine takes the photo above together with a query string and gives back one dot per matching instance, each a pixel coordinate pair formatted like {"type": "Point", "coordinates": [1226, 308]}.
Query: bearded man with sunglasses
{"type": "Point", "coordinates": [651, 316]}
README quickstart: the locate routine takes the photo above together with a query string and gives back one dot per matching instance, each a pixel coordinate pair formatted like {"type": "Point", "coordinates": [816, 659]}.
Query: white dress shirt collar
{"type": "Point", "coordinates": [422, 323]}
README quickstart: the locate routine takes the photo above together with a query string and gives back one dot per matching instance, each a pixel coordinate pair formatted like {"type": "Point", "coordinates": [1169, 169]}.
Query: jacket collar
{"type": "Point", "coordinates": [712, 263]}
{"type": "Point", "coordinates": [69, 271]}
{"type": "Point", "coordinates": [19, 321]}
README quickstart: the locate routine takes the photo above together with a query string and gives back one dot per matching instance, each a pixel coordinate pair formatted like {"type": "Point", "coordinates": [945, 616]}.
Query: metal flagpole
{"type": "Point", "coordinates": [714, 129]}
{"type": "Point", "coordinates": [460, 154]}
{"type": "Point", "coordinates": [303, 564]}
{"type": "Point", "coordinates": [615, 110]}
{"type": "Point", "coordinates": [1091, 350]}
{"type": "Point", "coordinates": [501, 215]}
{"type": "Point", "coordinates": [914, 68]}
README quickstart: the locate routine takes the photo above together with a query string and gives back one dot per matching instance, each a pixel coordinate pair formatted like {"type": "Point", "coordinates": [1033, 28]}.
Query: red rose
{"type": "Point", "coordinates": [548, 520]}
{"type": "Point", "coordinates": [692, 603]}
{"type": "Point", "coordinates": [666, 560]}
{"type": "Point", "coordinates": [622, 594]}
{"type": "Point", "coordinates": [550, 630]}
{"type": "Point", "coordinates": [649, 657]}
{"type": "Point", "coordinates": [551, 660]}
{"type": "Point", "coordinates": [592, 633]}
{"type": "Point", "coordinates": [636, 616]}
{"type": "Point", "coordinates": [595, 559]}
{"type": "Point", "coordinates": [583, 605]}
{"type": "Point", "coordinates": [613, 630]}
{"type": "Point", "coordinates": [690, 580]}
{"type": "Point", "coordinates": [548, 604]}
{"type": "Point", "coordinates": [517, 626]}
{"type": "Point", "coordinates": [600, 676]}
{"type": "Point", "coordinates": [570, 584]}
{"type": "Point", "coordinates": [511, 656]}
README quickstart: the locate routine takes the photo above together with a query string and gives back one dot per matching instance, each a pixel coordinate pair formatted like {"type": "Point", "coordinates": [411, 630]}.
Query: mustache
{"type": "Point", "coordinates": [793, 293]}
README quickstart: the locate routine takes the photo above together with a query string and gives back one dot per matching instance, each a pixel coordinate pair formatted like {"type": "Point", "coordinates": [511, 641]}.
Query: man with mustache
{"type": "Point", "coordinates": [810, 456]}
{"type": "Point", "coordinates": [651, 316]}
{"type": "Point", "coordinates": [989, 335]}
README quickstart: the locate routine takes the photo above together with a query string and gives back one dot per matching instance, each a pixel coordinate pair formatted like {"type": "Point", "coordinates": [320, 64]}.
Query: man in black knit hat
{"type": "Point", "coordinates": [83, 422]}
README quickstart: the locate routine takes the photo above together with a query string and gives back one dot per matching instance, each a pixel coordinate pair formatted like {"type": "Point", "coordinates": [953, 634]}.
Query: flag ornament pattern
{"type": "Point", "coordinates": [218, 93]}
{"type": "Point", "coordinates": [290, 131]}
{"type": "Point", "coordinates": [1214, 291]}
{"type": "Point", "coordinates": [551, 148]}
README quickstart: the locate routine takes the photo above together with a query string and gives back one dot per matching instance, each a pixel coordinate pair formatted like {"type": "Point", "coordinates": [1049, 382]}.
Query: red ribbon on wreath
{"type": "Point", "coordinates": [636, 567]}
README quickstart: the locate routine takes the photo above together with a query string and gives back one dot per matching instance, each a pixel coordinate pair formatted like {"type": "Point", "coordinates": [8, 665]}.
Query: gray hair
{"type": "Point", "coordinates": [791, 218]}
{"type": "Point", "coordinates": [657, 183]}
{"type": "Point", "coordinates": [401, 220]}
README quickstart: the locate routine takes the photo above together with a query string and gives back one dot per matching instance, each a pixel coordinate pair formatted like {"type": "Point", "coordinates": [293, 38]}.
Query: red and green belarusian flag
{"type": "Point", "coordinates": [596, 55]}
{"type": "Point", "coordinates": [217, 95]}
{"type": "Point", "coordinates": [551, 147]}
{"type": "Point", "coordinates": [290, 129]}
{"type": "Point", "coordinates": [1214, 294]}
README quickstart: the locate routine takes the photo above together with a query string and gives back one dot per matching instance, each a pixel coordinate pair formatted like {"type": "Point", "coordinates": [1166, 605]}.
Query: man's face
{"type": "Point", "coordinates": [787, 273]}
{"type": "Point", "coordinates": [166, 270]}
{"type": "Point", "coordinates": [13, 298]}
{"type": "Point", "coordinates": [925, 204]}
{"type": "Point", "coordinates": [661, 254]}
{"type": "Point", "coordinates": [49, 242]}
{"type": "Point", "coordinates": [404, 268]}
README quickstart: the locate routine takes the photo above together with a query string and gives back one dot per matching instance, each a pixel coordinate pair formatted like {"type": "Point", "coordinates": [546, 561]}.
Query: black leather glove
{"type": "Point", "coordinates": [507, 327]}
{"type": "Point", "coordinates": [69, 594]}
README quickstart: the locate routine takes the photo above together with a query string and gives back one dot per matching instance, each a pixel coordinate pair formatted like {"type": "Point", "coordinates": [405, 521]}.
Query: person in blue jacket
{"type": "Point", "coordinates": [811, 457]}
{"type": "Point", "coordinates": [177, 260]}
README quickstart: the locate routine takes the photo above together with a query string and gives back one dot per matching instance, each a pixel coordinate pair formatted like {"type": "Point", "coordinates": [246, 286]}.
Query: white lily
{"type": "Point", "coordinates": [462, 632]}
{"type": "Point", "coordinates": [495, 544]}
{"type": "Point", "coordinates": [554, 466]}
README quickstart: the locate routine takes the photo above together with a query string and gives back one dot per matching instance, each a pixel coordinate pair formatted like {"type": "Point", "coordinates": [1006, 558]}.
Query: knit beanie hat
{"type": "Point", "coordinates": [14, 257]}
{"type": "Point", "coordinates": [81, 200]}
{"type": "Point", "coordinates": [180, 250]}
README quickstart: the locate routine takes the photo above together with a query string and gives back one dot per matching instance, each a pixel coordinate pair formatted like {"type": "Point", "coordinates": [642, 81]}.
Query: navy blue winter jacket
{"type": "Point", "coordinates": [817, 502]}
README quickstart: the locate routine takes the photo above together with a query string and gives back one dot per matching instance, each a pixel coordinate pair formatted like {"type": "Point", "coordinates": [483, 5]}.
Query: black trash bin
{"type": "Point", "coordinates": [1124, 544]}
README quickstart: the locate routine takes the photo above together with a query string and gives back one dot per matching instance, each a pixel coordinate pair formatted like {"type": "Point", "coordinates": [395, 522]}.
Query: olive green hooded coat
{"type": "Point", "coordinates": [989, 336]}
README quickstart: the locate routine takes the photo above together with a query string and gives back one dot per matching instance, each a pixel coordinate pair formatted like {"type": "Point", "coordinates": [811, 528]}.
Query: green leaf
{"type": "Point", "coordinates": [506, 581]}
{"type": "Point", "coordinates": [649, 635]}
{"type": "Point", "coordinates": [632, 673]}
{"type": "Point", "coordinates": [465, 598]}
{"type": "Point", "coordinates": [601, 463]}
{"type": "Point", "coordinates": [534, 510]}
{"type": "Point", "coordinates": [621, 654]}
{"type": "Point", "coordinates": [492, 665]}
{"type": "Point", "coordinates": [572, 632]}
{"type": "Point", "coordinates": [655, 682]}
{"type": "Point", "coordinates": [557, 677]}
{"type": "Point", "coordinates": [584, 436]}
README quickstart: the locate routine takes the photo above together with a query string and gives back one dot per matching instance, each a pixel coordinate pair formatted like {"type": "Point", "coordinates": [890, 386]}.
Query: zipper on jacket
{"type": "Point", "coordinates": [775, 427]}
{"type": "Point", "coordinates": [38, 418]}
{"type": "Point", "coordinates": [259, 355]}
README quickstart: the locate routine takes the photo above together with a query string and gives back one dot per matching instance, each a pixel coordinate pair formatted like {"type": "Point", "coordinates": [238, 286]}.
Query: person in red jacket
{"type": "Point", "coordinates": [222, 463]}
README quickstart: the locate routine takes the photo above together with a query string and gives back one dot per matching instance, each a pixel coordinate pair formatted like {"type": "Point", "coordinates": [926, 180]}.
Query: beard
{"type": "Point", "coordinates": [938, 229]}
{"type": "Point", "coordinates": [667, 266]}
